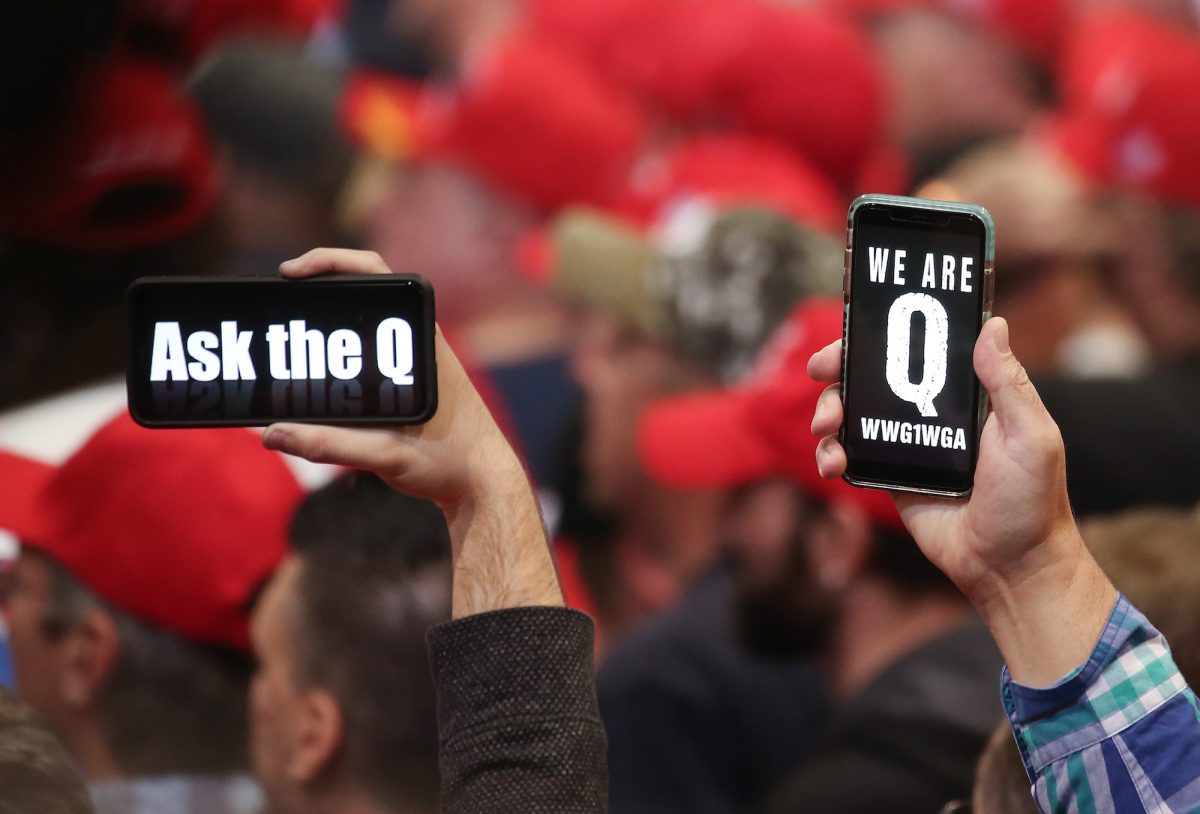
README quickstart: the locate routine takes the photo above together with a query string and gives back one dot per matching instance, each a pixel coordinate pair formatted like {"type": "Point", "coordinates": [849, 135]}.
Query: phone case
{"type": "Point", "coordinates": [429, 357]}
{"type": "Point", "coordinates": [989, 282]}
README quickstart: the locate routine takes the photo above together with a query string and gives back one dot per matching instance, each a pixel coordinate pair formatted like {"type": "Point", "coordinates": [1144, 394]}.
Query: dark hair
{"type": "Point", "coordinates": [171, 705]}
{"type": "Point", "coordinates": [1001, 785]}
{"type": "Point", "coordinates": [1152, 555]}
{"type": "Point", "coordinates": [46, 49]}
{"type": "Point", "coordinates": [276, 113]}
{"type": "Point", "coordinates": [375, 576]}
{"type": "Point", "coordinates": [36, 773]}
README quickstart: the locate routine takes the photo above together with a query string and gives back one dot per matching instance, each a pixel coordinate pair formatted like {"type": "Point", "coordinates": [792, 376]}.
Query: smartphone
{"type": "Point", "coordinates": [917, 288]}
{"type": "Point", "coordinates": [249, 351]}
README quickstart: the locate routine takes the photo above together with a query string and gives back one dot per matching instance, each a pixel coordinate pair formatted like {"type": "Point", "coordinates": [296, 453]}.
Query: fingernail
{"type": "Point", "coordinates": [1001, 338]}
{"type": "Point", "coordinates": [276, 437]}
{"type": "Point", "coordinates": [287, 264]}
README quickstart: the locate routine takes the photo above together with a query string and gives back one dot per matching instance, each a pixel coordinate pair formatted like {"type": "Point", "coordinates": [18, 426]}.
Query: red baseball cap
{"type": "Point", "coordinates": [760, 428]}
{"type": "Point", "coordinates": [814, 81]}
{"type": "Point", "coordinates": [677, 55]}
{"type": "Point", "coordinates": [735, 169]}
{"type": "Point", "coordinates": [178, 528]}
{"type": "Point", "coordinates": [526, 116]}
{"type": "Point", "coordinates": [1126, 78]}
{"type": "Point", "coordinates": [724, 171]}
{"type": "Point", "coordinates": [132, 167]}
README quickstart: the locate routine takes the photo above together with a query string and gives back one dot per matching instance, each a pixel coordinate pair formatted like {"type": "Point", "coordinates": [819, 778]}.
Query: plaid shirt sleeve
{"type": "Point", "coordinates": [1120, 734]}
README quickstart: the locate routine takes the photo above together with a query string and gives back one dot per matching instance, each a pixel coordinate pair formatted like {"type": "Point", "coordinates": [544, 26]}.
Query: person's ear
{"type": "Point", "coordinates": [89, 654]}
{"type": "Point", "coordinates": [319, 735]}
{"type": "Point", "coordinates": [841, 545]}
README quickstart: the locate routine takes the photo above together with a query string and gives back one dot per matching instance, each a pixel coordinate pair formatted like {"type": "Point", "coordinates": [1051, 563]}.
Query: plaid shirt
{"type": "Point", "coordinates": [1120, 734]}
{"type": "Point", "coordinates": [178, 794]}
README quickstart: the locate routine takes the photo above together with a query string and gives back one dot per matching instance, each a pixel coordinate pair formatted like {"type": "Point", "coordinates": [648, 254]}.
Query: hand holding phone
{"type": "Point", "coordinates": [341, 349]}
{"type": "Point", "coordinates": [1013, 548]}
{"type": "Point", "coordinates": [460, 460]}
{"type": "Point", "coordinates": [917, 289]}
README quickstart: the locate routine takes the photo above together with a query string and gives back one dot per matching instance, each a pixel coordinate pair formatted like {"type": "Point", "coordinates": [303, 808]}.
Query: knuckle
{"type": "Point", "coordinates": [1020, 377]}
{"type": "Point", "coordinates": [316, 448]}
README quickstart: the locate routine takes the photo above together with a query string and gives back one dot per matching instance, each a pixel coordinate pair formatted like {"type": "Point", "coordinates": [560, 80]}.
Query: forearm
{"type": "Point", "coordinates": [520, 729]}
{"type": "Point", "coordinates": [501, 552]}
{"type": "Point", "coordinates": [1046, 613]}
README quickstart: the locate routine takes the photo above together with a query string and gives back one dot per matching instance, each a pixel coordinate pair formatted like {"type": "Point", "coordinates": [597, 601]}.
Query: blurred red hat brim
{"type": "Point", "coordinates": [704, 441]}
{"type": "Point", "coordinates": [24, 481]}
{"type": "Point", "coordinates": [535, 256]}
{"type": "Point", "coordinates": [1086, 142]}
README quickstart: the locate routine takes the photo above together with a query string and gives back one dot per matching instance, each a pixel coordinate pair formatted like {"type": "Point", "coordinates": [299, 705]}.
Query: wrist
{"type": "Point", "coordinates": [1046, 610]}
{"type": "Point", "coordinates": [1035, 577]}
{"type": "Point", "coordinates": [500, 550]}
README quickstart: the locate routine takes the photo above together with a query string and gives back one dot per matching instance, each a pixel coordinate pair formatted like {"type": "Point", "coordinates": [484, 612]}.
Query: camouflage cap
{"type": "Point", "coordinates": [712, 284]}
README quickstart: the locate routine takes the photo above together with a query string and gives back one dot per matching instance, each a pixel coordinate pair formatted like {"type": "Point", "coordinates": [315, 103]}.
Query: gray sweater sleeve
{"type": "Point", "coordinates": [519, 725]}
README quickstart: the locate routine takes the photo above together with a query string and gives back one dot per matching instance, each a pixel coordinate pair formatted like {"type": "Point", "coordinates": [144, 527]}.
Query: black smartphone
{"type": "Point", "coordinates": [917, 287]}
{"type": "Point", "coordinates": [249, 351]}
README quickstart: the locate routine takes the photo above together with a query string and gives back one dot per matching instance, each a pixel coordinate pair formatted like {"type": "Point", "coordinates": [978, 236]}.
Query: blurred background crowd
{"type": "Point", "coordinates": [633, 215]}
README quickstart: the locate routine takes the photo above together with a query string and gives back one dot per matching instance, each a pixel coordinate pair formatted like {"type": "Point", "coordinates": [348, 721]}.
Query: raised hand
{"type": "Point", "coordinates": [1013, 547]}
{"type": "Point", "coordinates": [459, 459]}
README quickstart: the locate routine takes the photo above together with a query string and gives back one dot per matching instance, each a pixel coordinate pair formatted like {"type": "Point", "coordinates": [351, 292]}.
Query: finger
{"type": "Point", "coordinates": [828, 415]}
{"type": "Point", "coordinates": [1013, 397]}
{"type": "Point", "coordinates": [323, 261]}
{"type": "Point", "coordinates": [826, 364]}
{"type": "Point", "coordinates": [831, 458]}
{"type": "Point", "coordinates": [370, 450]}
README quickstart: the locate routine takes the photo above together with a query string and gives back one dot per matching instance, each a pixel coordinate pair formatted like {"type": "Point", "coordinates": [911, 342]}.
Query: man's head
{"type": "Point", "coordinates": [158, 703]}
{"type": "Point", "coordinates": [141, 557]}
{"type": "Point", "coordinates": [799, 559]}
{"type": "Point", "coordinates": [282, 155]}
{"type": "Point", "coordinates": [952, 82]}
{"type": "Point", "coordinates": [724, 234]}
{"type": "Point", "coordinates": [1120, 125]}
{"type": "Point", "coordinates": [621, 372]}
{"type": "Point", "coordinates": [1001, 785]}
{"type": "Point", "coordinates": [801, 544]}
{"type": "Point", "coordinates": [1062, 235]}
{"type": "Point", "coordinates": [342, 702]}
{"type": "Point", "coordinates": [1153, 557]}
{"type": "Point", "coordinates": [525, 130]}
{"type": "Point", "coordinates": [439, 220]}
{"type": "Point", "coordinates": [688, 306]}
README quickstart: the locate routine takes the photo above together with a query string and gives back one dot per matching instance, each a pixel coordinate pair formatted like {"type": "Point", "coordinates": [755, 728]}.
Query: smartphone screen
{"type": "Point", "coordinates": [342, 349]}
{"type": "Point", "coordinates": [918, 289]}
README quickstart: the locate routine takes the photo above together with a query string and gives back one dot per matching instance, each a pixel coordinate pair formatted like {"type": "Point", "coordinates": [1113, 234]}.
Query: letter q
{"type": "Point", "coordinates": [394, 350]}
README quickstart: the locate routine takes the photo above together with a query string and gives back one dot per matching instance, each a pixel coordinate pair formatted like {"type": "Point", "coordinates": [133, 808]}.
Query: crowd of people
{"type": "Point", "coordinates": [618, 570]}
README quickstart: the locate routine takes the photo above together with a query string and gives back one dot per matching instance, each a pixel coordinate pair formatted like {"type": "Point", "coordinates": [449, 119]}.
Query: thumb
{"type": "Point", "coordinates": [1013, 397]}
